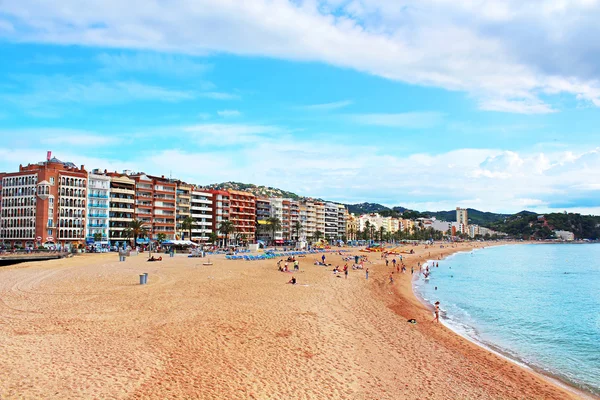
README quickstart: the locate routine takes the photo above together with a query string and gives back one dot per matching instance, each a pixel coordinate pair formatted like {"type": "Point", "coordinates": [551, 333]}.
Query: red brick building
{"type": "Point", "coordinates": [44, 203]}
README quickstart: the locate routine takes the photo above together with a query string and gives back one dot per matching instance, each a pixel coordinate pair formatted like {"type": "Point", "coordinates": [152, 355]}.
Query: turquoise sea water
{"type": "Point", "coordinates": [537, 304]}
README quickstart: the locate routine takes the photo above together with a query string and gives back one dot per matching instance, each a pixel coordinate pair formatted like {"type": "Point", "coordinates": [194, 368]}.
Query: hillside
{"type": "Point", "coordinates": [262, 191]}
{"type": "Point", "coordinates": [475, 216]}
{"type": "Point", "coordinates": [366, 208]}
{"type": "Point", "coordinates": [527, 224]}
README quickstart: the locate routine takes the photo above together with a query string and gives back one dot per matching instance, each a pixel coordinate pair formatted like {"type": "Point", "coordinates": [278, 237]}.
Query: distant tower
{"type": "Point", "coordinates": [462, 217]}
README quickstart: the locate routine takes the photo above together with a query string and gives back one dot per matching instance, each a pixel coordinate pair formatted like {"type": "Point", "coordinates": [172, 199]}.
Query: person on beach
{"type": "Point", "coordinates": [355, 259]}
{"type": "Point", "coordinates": [367, 273]}
{"type": "Point", "coordinates": [412, 270]}
{"type": "Point", "coordinates": [387, 262]}
{"type": "Point", "coordinates": [392, 277]}
{"type": "Point", "coordinates": [437, 312]}
{"type": "Point", "coordinates": [296, 265]}
{"type": "Point", "coordinates": [394, 261]}
{"type": "Point", "coordinates": [346, 271]}
{"type": "Point", "coordinates": [292, 281]}
{"type": "Point", "coordinates": [323, 258]}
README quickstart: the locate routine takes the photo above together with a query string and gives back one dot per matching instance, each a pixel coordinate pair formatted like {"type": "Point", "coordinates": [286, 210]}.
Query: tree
{"type": "Point", "coordinates": [274, 225]}
{"type": "Point", "coordinates": [226, 228]}
{"type": "Point", "coordinates": [213, 237]}
{"type": "Point", "coordinates": [297, 228]}
{"type": "Point", "coordinates": [188, 224]}
{"type": "Point", "coordinates": [381, 232]}
{"type": "Point", "coordinates": [160, 238]}
{"type": "Point", "coordinates": [368, 229]}
{"type": "Point", "coordinates": [97, 237]}
{"type": "Point", "coordinates": [317, 235]}
{"type": "Point", "coordinates": [136, 230]}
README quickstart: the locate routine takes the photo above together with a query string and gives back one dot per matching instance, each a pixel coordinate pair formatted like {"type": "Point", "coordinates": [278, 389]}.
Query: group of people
{"type": "Point", "coordinates": [285, 268]}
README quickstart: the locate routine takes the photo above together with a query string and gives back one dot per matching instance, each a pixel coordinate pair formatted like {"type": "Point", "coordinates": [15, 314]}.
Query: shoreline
{"type": "Point", "coordinates": [84, 327]}
{"type": "Point", "coordinates": [554, 380]}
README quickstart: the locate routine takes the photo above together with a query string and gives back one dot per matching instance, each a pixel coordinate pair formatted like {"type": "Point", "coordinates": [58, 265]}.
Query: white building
{"type": "Point", "coordinates": [97, 209]}
{"type": "Point", "coordinates": [565, 235]}
{"type": "Point", "coordinates": [202, 213]}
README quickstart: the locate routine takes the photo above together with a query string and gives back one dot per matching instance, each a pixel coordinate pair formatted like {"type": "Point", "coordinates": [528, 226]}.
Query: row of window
{"type": "Point", "coordinates": [18, 223]}
{"type": "Point", "coordinates": [19, 202]}
{"type": "Point", "coordinates": [19, 212]}
{"type": "Point", "coordinates": [24, 191]}
{"type": "Point", "coordinates": [72, 203]}
{"type": "Point", "coordinates": [76, 182]}
{"type": "Point", "coordinates": [20, 181]}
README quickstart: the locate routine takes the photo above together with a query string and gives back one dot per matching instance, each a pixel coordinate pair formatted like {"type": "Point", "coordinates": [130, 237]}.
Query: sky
{"type": "Point", "coordinates": [428, 104]}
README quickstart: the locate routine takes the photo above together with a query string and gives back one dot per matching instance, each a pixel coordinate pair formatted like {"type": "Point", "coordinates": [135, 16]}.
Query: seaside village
{"type": "Point", "coordinates": [59, 205]}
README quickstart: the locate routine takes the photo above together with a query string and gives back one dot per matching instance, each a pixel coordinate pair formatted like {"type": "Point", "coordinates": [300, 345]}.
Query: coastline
{"type": "Point", "coordinates": [551, 379]}
{"type": "Point", "coordinates": [84, 327]}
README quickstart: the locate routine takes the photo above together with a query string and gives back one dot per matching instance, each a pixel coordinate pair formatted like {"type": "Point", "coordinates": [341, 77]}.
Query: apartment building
{"type": "Point", "coordinates": [462, 217]}
{"type": "Point", "coordinates": [263, 212]}
{"type": "Point", "coordinates": [121, 207]}
{"type": "Point", "coordinates": [97, 229]}
{"type": "Point", "coordinates": [44, 203]}
{"type": "Point", "coordinates": [220, 210]}
{"type": "Point", "coordinates": [202, 213]}
{"type": "Point", "coordinates": [183, 205]}
{"type": "Point", "coordinates": [352, 227]}
{"type": "Point", "coordinates": [320, 216]}
{"type": "Point", "coordinates": [242, 212]}
{"type": "Point", "coordinates": [155, 205]}
{"type": "Point", "coordinates": [331, 221]}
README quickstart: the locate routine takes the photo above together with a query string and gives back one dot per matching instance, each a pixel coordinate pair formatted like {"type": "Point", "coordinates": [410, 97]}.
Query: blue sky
{"type": "Point", "coordinates": [429, 104]}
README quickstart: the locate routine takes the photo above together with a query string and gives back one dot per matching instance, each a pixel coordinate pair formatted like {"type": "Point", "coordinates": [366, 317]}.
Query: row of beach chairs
{"type": "Point", "coordinates": [271, 255]}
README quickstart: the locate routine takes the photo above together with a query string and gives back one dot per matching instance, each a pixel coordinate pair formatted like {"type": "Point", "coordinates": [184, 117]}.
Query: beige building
{"type": "Point", "coordinates": [183, 208]}
{"type": "Point", "coordinates": [462, 217]}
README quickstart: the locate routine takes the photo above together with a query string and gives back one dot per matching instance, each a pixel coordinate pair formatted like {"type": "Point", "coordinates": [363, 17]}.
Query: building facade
{"type": "Point", "coordinates": [155, 199]}
{"type": "Point", "coordinates": [97, 230]}
{"type": "Point", "coordinates": [44, 203]}
{"type": "Point", "coordinates": [242, 212]}
{"type": "Point", "coordinates": [202, 213]}
{"type": "Point", "coordinates": [462, 217]}
{"type": "Point", "coordinates": [183, 204]}
{"type": "Point", "coordinates": [121, 208]}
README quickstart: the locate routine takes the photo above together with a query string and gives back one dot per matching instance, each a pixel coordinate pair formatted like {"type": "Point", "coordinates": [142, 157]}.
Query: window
{"type": "Point", "coordinates": [49, 232]}
{"type": "Point", "coordinates": [52, 180]}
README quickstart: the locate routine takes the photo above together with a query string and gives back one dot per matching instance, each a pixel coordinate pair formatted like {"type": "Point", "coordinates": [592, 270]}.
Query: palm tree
{"type": "Point", "coordinates": [274, 224]}
{"type": "Point", "coordinates": [213, 237]}
{"type": "Point", "coordinates": [368, 228]}
{"type": "Point", "coordinates": [317, 235]}
{"type": "Point", "coordinates": [381, 232]}
{"type": "Point", "coordinates": [297, 228]}
{"type": "Point", "coordinates": [136, 230]}
{"type": "Point", "coordinates": [97, 237]}
{"type": "Point", "coordinates": [160, 238]}
{"type": "Point", "coordinates": [188, 224]}
{"type": "Point", "coordinates": [226, 228]}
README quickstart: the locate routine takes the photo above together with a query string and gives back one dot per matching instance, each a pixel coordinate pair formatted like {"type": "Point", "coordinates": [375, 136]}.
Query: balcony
{"type": "Point", "coordinates": [97, 196]}
{"type": "Point", "coordinates": [98, 205]}
{"type": "Point", "coordinates": [96, 225]}
{"type": "Point", "coordinates": [97, 215]}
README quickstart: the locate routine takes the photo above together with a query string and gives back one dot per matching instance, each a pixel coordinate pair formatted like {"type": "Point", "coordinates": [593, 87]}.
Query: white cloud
{"type": "Point", "coordinates": [44, 94]}
{"type": "Point", "coordinates": [220, 96]}
{"type": "Point", "coordinates": [151, 62]}
{"type": "Point", "coordinates": [230, 134]}
{"type": "Point", "coordinates": [335, 105]}
{"type": "Point", "coordinates": [511, 52]}
{"type": "Point", "coordinates": [415, 120]}
{"type": "Point", "coordinates": [64, 138]}
{"type": "Point", "coordinates": [228, 113]}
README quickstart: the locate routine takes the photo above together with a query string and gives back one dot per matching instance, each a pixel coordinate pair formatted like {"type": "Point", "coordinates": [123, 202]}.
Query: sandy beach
{"type": "Point", "coordinates": [84, 328]}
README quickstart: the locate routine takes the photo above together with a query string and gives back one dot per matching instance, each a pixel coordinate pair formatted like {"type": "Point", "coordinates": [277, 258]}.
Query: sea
{"type": "Point", "coordinates": [538, 304]}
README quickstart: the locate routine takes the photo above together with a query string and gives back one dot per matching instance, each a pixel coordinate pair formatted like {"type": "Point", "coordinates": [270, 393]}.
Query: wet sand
{"type": "Point", "coordinates": [84, 328]}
